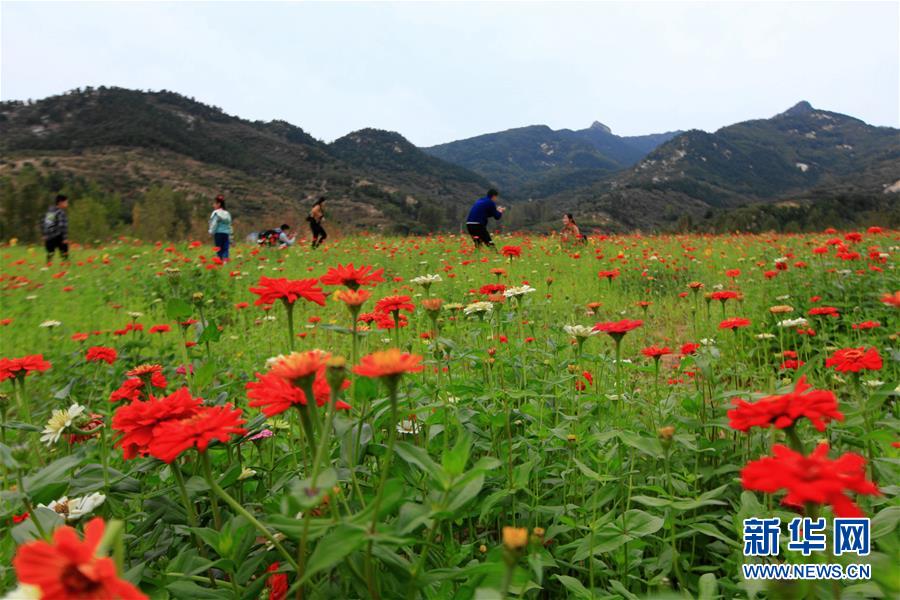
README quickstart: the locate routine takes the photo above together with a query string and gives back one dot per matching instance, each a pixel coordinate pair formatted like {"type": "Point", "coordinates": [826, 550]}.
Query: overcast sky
{"type": "Point", "coordinates": [437, 72]}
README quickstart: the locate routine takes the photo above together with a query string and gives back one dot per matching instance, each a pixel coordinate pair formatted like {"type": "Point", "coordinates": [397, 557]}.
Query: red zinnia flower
{"type": "Point", "coordinates": [854, 360]}
{"type": "Point", "coordinates": [160, 329]}
{"type": "Point", "coordinates": [511, 251]}
{"type": "Point", "coordinates": [891, 299]}
{"type": "Point", "coordinates": [277, 583]}
{"type": "Point", "coordinates": [824, 311]}
{"type": "Point", "coordinates": [492, 288]}
{"type": "Point", "coordinates": [618, 328]}
{"type": "Point", "coordinates": [68, 569]}
{"type": "Point", "coordinates": [812, 478]}
{"type": "Point", "coordinates": [394, 304]}
{"type": "Point", "coordinates": [819, 406]}
{"type": "Point", "coordinates": [274, 395]}
{"type": "Point", "coordinates": [136, 422]}
{"type": "Point", "coordinates": [734, 322]}
{"type": "Point", "coordinates": [209, 423]}
{"type": "Point", "coordinates": [287, 290]}
{"type": "Point", "coordinates": [610, 275]}
{"type": "Point", "coordinates": [351, 276]}
{"type": "Point", "coordinates": [724, 295]}
{"type": "Point", "coordinates": [655, 352]}
{"type": "Point", "coordinates": [689, 348]}
{"type": "Point", "coordinates": [866, 325]}
{"type": "Point", "coordinates": [19, 368]}
{"type": "Point", "coordinates": [101, 353]}
{"type": "Point", "coordinates": [388, 363]}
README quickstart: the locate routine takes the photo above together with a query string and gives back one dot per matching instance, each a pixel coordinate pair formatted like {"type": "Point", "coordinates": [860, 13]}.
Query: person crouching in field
{"type": "Point", "coordinates": [315, 217]}
{"type": "Point", "coordinates": [55, 229]}
{"type": "Point", "coordinates": [570, 231]}
{"type": "Point", "coordinates": [284, 239]}
{"type": "Point", "coordinates": [483, 209]}
{"type": "Point", "coordinates": [220, 227]}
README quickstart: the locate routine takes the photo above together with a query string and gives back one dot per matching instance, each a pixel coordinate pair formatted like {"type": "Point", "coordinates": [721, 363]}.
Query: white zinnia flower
{"type": "Point", "coordinates": [873, 383]}
{"type": "Point", "coordinates": [23, 592]}
{"type": "Point", "coordinates": [408, 427]}
{"type": "Point", "coordinates": [75, 508]}
{"type": "Point", "coordinates": [765, 336]}
{"type": "Point", "coordinates": [708, 342]}
{"type": "Point", "coordinates": [478, 307]}
{"type": "Point", "coordinates": [798, 322]}
{"type": "Point", "coordinates": [50, 323]}
{"type": "Point", "coordinates": [134, 314]}
{"type": "Point", "coordinates": [518, 291]}
{"type": "Point", "coordinates": [59, 420]}
{"type": "Point", "coordinates": [426, 280]}
{"type": "Point", "coordinates": [579, 331]}
{"type": "Point", "coordinates": [785, 297]}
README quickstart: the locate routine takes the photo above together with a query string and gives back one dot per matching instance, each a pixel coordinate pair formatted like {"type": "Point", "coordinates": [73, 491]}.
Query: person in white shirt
{"type": "Point", "coordinates": [283, 239]}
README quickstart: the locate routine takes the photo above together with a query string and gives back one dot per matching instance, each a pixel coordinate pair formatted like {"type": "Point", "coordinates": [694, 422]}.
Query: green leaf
{"type": "Point", "coordinates": [334, 548]}
{"type": "Point", "coordinates": [6, 458]}
{"type": "Point", "coordinates": [707, 587]}
{"type": "Point", "coordinates": [466, 493]}
{"type": "Point", "coordinates": [885, 522]}
{"type": "Point", "coordinates": [574, 586]}
{"type": "Point", "coordinates": [178, 309]}
{"type": "Point", "coordinates": [637, 523]}
{"type": "Point", "coordinates": [210, 333]}
{"type": "Point", "coordinates": [26, 530]}
{"type": "Point", "coordinates": [712, 531]}
{"type": "Point", "coordinates": [49, 483]}
{"type": "Point", "coordinates": [455, 460]}
{"type": "Point", "coordinates": [645, 445]}
{"type": "Point", "coordinates": [204, 375]}
{"type": "Point", "coordinates": [417, 456]}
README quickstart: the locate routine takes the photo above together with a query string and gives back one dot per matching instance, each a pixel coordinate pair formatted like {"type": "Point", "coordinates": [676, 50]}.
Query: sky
{"type": "Point", "coordinates": [438, 72]}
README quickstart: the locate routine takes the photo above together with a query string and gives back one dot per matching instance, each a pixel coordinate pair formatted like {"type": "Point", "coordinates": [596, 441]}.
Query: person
{"type": "Point", "coordinates": [483, 209]}
{"type": "Point", "coordinates": [220, 227]}
{"type": "Point", "coordinates": [315, 218]}
{"type": "Point", "coordinates": [570, 231]}
{"type": "Point", "coordinates": [283, 240]}
{"type": "Point", "coordinates": [55, 229]}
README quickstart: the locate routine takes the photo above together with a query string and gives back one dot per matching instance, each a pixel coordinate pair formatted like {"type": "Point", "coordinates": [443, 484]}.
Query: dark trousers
{"type": "Point", "coordinates": [223, 241]}
{"type": "Point", "coordinates": [318, 233]}
{"type": "Point", "coordinates": [480, 234]}
{"type": "Point", "coordinates": [51, 244]}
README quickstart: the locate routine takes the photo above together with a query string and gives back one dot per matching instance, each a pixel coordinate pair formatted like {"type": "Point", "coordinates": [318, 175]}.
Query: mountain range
{"type": "Point", "coordinates": [809, 162]}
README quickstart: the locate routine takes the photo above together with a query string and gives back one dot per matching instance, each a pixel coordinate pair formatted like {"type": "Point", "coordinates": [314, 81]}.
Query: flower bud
{"type": "Point", "coordinates": [515, 538]}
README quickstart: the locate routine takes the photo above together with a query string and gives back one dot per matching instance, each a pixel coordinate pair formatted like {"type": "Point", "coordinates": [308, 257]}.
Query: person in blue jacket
{"type": "Point", "coordinates": [220, 227]}
{"type": "Point", "coordinates": [483, 209]}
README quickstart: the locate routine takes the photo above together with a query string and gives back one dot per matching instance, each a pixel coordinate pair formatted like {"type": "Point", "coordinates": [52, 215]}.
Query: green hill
{"type": "Point", "coordinates": [128, 141]}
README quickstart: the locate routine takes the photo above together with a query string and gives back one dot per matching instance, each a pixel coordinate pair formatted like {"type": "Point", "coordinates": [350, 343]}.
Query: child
{"type": "Point", "coordinates": [220, 227]}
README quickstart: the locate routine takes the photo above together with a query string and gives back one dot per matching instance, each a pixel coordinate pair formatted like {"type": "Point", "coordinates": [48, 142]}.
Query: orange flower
{"type": "Point", "coordinates": [388, 363]}
{"type": "Point", "coordinates": [353, 298]}
{"type": "Point", "coordinates": [891, 299]}
{"type": "Point", "coordinates": [68, 568]}
{"type": "Point", "coordinates": [297, 366]}
{"type": "Point", "coordinates": [144, 371]}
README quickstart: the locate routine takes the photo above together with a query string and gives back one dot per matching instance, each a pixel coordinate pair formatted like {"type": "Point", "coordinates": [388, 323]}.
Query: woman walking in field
{"type": "Point", "coordinates": [570, 231]}
{"type": "Point", "coordinates": [315, 218]}
{"type": "Point", "coordinates": [220, 227]}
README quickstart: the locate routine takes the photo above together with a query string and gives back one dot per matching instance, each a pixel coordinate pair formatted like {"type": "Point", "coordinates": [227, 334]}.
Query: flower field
{"type": "Point", "coordinates": [411, 418]}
